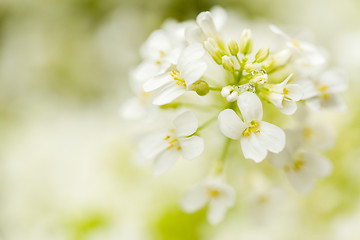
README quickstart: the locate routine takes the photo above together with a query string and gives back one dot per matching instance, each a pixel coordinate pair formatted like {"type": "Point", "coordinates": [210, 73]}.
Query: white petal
{"type": "Point", "coordinates": [169, 93]}
{"type": "Point", "coordinates": [206, 22]}
{"type": "Point", "coordinates": [186, 124]}
{"type": "Point", "coordinates": [191, 53]}
{"type": "Point", "coordinates": [276, 99]}
{"type": "Point", "coordinates": [157, 82]}
{"type": "Point", "coordinates": [219, 16]}
{"type": "Point", "coordinates": [193, 71]}
{"type": "Point", "coordinates": [132, 109]}
{"type": "Point", "coordinates": [280, 160]}
{"type": "Point", "coordinates": [314, 103]}
{"type": "Point", "coordinates": [271, 137]}
{"type": "Point", "coordinates": [295, 92]}
{"type": "Point", "coordinates": [278, 31]}
{"type": "Point", "coordinates": [250, 107]}
{"type": "Point", "coordinates": [308, 88]}
{"type": "Point", "coordinates": [230, 124]}
{"type": "Point", "coordinates": [288, 107]}
{"type": "Point", "coordinates": [217, 210]}
{"type": "Point", "coordinates": [153, 144]}
{"type": "Point", "coordinates": [191, 147]}
{"type": "Point", "coordinates": [334, 102]}
{"type": "Point", "coordinates": [302, 181]}
{"type": "Point", "coordinates": [194, 34]}
{"type": "Point", "coordinates": [194, 199]}
{"type": "Point", "coordinates": [318, 164]}
{"type": "Point", "coordinates": [157, 41]}
{"type": "Point", "coordinates": [252, 148]}
{"type": "Point", "coordinates": [148, 69]}
{"type": "Point", "coordinates": [335, 80]}
{"type": "Point", "coordinates": [165, 160]}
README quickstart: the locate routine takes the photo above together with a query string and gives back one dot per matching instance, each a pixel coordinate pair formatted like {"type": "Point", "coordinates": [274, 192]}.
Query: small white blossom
{"type": "Point", "coordinates": [284, 96]}
{"type": "Point", "coordinates": [214, 191]}
{"type": "Point", "coordinates": [256, 136]}
{"type": "Point", "coordinates": [172, 84]}
{"type": "Point", "coordinates": [302, 167]}
{"type": "Point", "coordinates": [165, 147]}
{"type": "Point", "coordinates": [310, 53]}
{"type": "Point", "coordinates": [324, 91]}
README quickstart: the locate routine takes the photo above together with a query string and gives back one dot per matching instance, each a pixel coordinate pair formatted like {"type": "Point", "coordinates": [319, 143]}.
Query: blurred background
{"type": "Point", "coordinates": [65, 168]}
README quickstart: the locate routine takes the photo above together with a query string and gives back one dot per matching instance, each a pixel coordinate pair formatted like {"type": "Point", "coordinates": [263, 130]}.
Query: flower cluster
{"type": "Point", "coordinates": [211, 66]}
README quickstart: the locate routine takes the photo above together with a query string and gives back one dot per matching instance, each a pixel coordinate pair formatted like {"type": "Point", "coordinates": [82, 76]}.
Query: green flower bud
{"type": "Point", "coordinates": [246, 42]}
{"type": "Point", "coordinates": [228, 63]}
{"type": "Point", "coordinates": [249, 67]}
{"type": "Point", "coordinates": [233, 47]}
{"type": "Point", "coordinates": [213, 49]}
{"type": "Point", "coordinates": [200, 87]}
{"type": "Point", "coordinates": [262, 54]}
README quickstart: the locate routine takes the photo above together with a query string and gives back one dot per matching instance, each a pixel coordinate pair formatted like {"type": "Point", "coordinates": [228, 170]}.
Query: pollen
{"type": "Point", "coordinates": [176, 76]}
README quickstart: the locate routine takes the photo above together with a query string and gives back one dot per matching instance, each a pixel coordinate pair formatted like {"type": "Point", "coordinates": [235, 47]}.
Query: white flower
{"type": "Point", "coordinates": [301, 166]}
{"type": "Point", "coordinates": [284, 96]}
{"type": "Point", "coordinates": [139, 106]}
{"type": "Point", "coordinates": [256, 136]}
{"type": "Point", "coordinates": [172, 84]}
{"type": "Point", "coordinates": [159, 53]}
{"type": "Point", "coordinates": [214, 191]}
{"type": "Point", "coordinates": [208, 25]}
{"type": "Point", "coordinates": [165, 147]}
{"type": "Point", "coordinates": [310, 53]}
{"type": "Point", "coordinates": [324, 92]}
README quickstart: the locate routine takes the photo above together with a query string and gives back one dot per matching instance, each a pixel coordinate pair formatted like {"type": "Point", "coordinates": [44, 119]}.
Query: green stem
{"type": "Point", "coordinates": [208, 122]}
{"type": "Point", "coordinates": [215, 89]}
{"type": "Point", "coordinates": [221, 162]}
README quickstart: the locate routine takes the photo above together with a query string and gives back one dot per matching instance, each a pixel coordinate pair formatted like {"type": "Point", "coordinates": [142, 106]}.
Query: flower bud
{"type": "Point", "coordinates": [213, 49]}
{"type": "Point", "coordinates": [233, 96]}
{"type": "Point", "coordinates": [246, 42]}
{"type": "Point", "coordinates": [262, 54]}
{"type": "Point", "coordinates": [249, 67]}
{"type": "Point", "coordinates": [200, 87]}
{"type": "Point", "coordinates": [233, 47]}
{"type": "Point", "coordinates": [226, 91]}
{"type": "Point", "coordinates": [228, 63]}
{"type": "Point", "coordinates": [261, 79]}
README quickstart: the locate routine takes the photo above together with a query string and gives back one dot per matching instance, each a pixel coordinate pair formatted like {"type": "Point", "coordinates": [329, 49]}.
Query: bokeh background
{"type": "Point", "coordinates": [65, 154]}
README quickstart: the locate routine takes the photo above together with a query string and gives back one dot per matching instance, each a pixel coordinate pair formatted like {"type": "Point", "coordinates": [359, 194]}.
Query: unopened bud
{"type": "Point", "coordinates": [213, 49]}
{"type": "Point", "coordinates": [200, 87]}
{"type": "Point", "coordinates": [233, 96]}
{"type": "Point", "coordinates": [233, 47]}
{"type": "Point", "coordinates": [246, 42]}
{"type": "Point", "coordinates": [259, 79]}
{"type": "Point", "coordinates": [262, 54]}
{"type": "Point", "coordinates": [226, 91]}
{"type": "Point", "coordinates": [228, 63]}
{"type": "Point", "coordinates": [249, 67]}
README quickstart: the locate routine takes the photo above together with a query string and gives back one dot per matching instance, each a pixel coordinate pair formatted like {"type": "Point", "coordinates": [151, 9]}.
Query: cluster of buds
{"type": "Point", "coordinates": [181, 59]}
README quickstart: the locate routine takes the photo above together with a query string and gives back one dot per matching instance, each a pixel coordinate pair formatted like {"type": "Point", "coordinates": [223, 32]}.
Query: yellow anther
{"type": "Point", "coordinates": [173, 141]}
{"type": "Point", "coordinates": [167, 137]}
{"type": "Point", "coordinates": [323, 88]}
{"type": "Point", "coordinates": [296, 44]}
{"type": "Point", "coordinates": [325, 95]}
{"type": "Point", "coordinates": [178, 148]}
{"type": "Point", "coordinates": [213, 193]}
{"type": "Point", "coordinates": [298, 165]}
{"type": "Point", "coordinates": [252, 128]}
{"type": "Point", "coordinates": [170, 146]}
{"type": "Point", "coordinates": [285, 91]}
{"type": "Point", "coordinates": [307, 132]}
{"type": "Point", "coordinates": [162, 54]}
{"type": "Point", "coordinates": [158, 62]}
{"type": "Point", "coordinates": [172, 130]}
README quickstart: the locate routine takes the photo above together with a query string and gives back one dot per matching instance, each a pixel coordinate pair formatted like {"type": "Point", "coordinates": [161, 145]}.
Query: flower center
{"type": "Point", "coordinates": [162, 54]}
{"type": "Point", "coordinates": [285, 91]}
{"type": "Point", "coordinates": [253, 127]}
{"type": "Point", "coordinates": [297, 44]}
{"type": "Point", "coordinates": [323, 91]}
{"type": "Point", "coordinates": [213, 193]}
{"type": "Point", "coordinates": [307, 132]}
{"type": "Point", "coordinates": [172, 140]}
{"type": "Point", "coordinates": [176, 76]}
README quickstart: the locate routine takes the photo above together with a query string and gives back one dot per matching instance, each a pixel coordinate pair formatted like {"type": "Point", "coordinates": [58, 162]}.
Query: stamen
{"type": "Point", "coordinates": [286, 91]}
{"type": "Point", "coordinates": [213, 193]}
{"type": "Point", "coordinates": [296, 44]}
